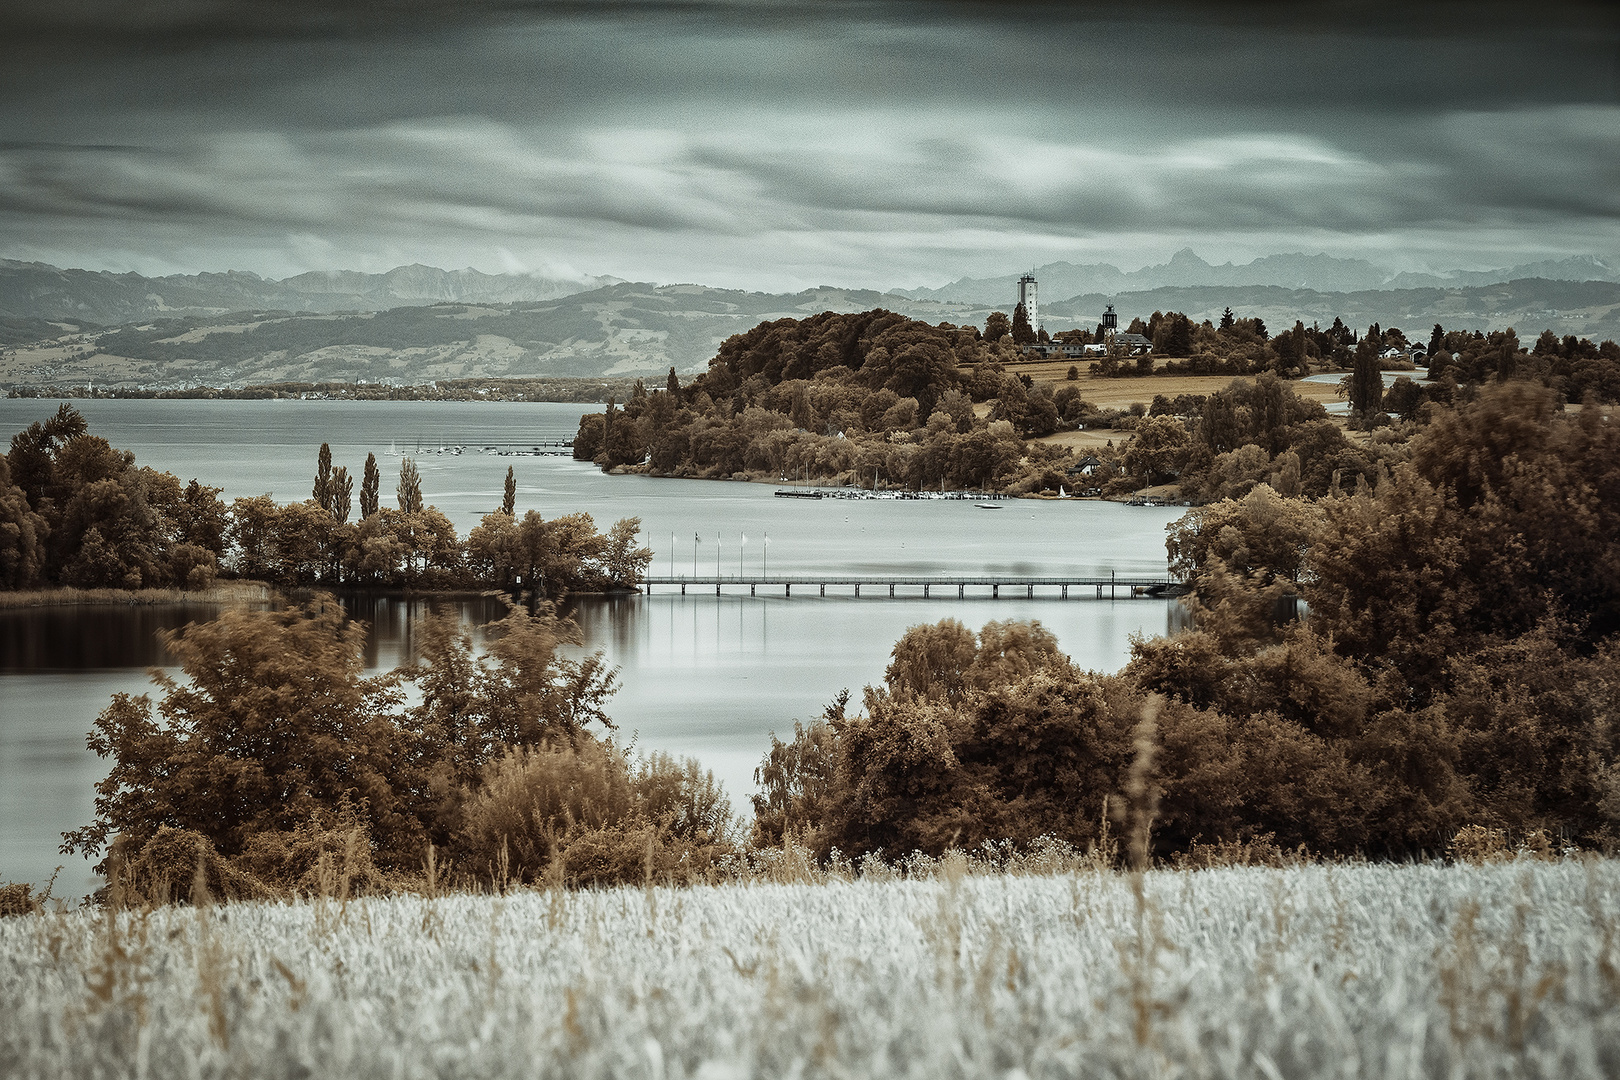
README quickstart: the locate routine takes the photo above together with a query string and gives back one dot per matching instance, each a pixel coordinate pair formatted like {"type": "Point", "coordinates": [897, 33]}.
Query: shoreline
{"type": "Point", "coordinates": [1169, 493]}
{"type": "Point", "coordinates": [235, 594]}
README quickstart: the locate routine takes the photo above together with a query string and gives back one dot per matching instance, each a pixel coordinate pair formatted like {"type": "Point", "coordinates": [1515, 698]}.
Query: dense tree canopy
{"type": "Point", "coordinates": [843, 398]}
{"type": "Point", "coordinates": [1453, 663]}
{"type": "Point", "coordinates": [95, 519]}
{"type": "Point", "coordinates": [76, 511]}
{"type": "Point", "coordinates": [276, 749]}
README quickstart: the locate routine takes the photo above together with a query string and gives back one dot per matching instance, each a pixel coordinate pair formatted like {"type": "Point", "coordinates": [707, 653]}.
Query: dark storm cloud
{"type": "Point", "coordinates": [875, 140]}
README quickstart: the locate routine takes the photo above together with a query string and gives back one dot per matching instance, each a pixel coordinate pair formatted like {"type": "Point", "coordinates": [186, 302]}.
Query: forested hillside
{"type": "Point", "coordinates": [835, 397]}
{"type": "Point", "coordinates": [882, 400]}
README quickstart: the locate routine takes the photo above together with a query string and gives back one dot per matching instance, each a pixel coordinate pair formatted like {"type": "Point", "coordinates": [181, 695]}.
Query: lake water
{"type": "Point", "coordinates": [1342, 408]}
{"type": "Point", "coordinates": [701, 675]}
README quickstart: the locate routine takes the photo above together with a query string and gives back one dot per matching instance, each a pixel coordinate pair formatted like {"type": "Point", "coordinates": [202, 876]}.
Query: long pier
{"type": "Point", "coordinates": [528, 448]}
{"type": "Point", "coordinates": [1103, 588]}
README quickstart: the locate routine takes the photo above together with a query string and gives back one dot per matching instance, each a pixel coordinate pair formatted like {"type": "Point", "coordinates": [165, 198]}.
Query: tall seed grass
{"type": "Point", "coordinates": [1506, 969]}
{"type": "Point", "coordinates": [225, 593]}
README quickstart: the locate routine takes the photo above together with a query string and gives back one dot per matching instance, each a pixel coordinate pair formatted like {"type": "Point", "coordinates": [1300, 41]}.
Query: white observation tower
{"type": "Point", "coordinates": [1027, 295]}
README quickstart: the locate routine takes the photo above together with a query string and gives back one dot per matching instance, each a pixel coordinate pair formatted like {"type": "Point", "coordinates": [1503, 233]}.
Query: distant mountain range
{"type": "Point", "coordinates": [1319, 273]}
{"type": "Point", "coordinates": [1529, 305]}
{"type": "Point", "coordinates": [627, 329]}
{"type": "Point", "coordinates": [623, 329]}
{"type": "Point", "coordinates": [36, 290]}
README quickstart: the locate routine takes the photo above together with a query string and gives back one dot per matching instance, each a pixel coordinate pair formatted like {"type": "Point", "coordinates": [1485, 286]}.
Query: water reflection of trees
{"type": "Point", "coordinates": [394, 621]}
{"type": "Point", "coordinates": [80, 638]}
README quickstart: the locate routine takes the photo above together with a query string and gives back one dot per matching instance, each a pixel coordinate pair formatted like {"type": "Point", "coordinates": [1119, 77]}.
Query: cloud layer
{"type": "Point", "coordinates": [771, 145]}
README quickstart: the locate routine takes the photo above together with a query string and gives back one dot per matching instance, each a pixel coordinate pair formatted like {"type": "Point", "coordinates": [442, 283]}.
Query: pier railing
{"type": "Point", "coordinates": [1110, 587]}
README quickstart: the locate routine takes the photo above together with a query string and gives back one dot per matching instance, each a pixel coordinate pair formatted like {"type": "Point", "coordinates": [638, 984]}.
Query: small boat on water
{"type": "Point", "coordinates": [988, 506]}
{"type": "Point", "coordinates": [796, 493]}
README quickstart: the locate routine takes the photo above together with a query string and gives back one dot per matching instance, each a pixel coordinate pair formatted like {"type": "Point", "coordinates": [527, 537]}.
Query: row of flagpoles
{"type": "Point", "coordinates": [719, 544]}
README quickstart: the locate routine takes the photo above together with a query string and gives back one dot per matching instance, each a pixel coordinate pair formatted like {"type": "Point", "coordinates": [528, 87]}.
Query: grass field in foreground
{"type": "Point", "coordinates": [1343, 971]}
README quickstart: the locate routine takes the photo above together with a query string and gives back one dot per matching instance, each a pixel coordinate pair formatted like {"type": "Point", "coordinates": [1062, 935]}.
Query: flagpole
{"type": "Point", "coordinates": [765, 558]}
{"type": "Point", "coordinates": [719, 543]}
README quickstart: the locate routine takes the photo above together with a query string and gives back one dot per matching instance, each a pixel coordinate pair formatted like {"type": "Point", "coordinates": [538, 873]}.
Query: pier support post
{"type": "Point", "coordinates": [1029, 591]}
{"type": "Point", "coordinates": [787, 589]}
{"type": "Point", "coordinates": [750, 588]}
{"type": "Point", "coordinates": [891, 588]}
{"type": "Point", "coordinates": [1065, 592]}
{"type": "Point", "coordinates": [717, 588]}
{"type": "Point", "coordinates": [925, 592]}
{"type": "Point", "coordinates": [857, 590]}
{"type": "Point", "coordinates": [823, 588]}
{"type": "Point", "coordinates": [959, 591]}
{"type": "Point", "coordinates": [683, 588]}
{"type": "Point", "coordinates": [995, 592]}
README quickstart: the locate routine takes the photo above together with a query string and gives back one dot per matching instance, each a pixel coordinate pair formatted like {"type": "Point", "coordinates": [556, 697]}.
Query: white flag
{"type": "Point", "coordinates": [767, 539]}
{"type": "Point", "coordinates": [744, 537]}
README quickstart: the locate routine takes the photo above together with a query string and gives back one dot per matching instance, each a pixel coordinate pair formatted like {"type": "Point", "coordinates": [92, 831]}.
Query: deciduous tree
{"type": "Point", "coordinates": [409, 490]}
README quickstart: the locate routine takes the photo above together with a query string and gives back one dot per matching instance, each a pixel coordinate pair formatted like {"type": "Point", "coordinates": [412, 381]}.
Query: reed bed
{"type": "Point", "coordinates": [225, 593]}
{"type": "Point", "coordinates": [1510, 969]}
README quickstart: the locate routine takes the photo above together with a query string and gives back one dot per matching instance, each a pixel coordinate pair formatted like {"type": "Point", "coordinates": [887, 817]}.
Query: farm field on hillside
{"type": "Point", "coordinates": [1346, 971]}
{"type": "Point", "coordinates": [1122, 393]}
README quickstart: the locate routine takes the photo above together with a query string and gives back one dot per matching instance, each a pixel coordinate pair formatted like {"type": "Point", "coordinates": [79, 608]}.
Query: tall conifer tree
{"type": "Point", "coordinates": [370, 487]}
{"type": "Point", "coordinates": [1366, 382]}
{"type": "Point", "coordinates": [1022, 332]}
{"type": "Point", "coordinates": [322, 493]}
{"type": "Point", "coordinates": [341, 493]}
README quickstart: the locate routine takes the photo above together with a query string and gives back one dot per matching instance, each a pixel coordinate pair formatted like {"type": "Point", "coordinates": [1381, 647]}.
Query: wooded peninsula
{"type": "Point", "coordinates": [879, 399]}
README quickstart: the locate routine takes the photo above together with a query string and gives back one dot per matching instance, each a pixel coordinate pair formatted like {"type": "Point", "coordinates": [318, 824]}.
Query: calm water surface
{"type": "Point", "coordinates": [701, 675]}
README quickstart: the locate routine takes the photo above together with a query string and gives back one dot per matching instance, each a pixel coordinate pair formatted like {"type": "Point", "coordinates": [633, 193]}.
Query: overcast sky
{"type": "Point", "coordinates": [775, 146]}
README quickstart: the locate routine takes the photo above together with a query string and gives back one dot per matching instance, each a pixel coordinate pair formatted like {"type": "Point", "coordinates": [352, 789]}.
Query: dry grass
{"type": "Point", "coordinates": [225, 593]}
{"type": "Point", "coordinates": [1503, 970]}
{"type": "Point", "coordinates": [1122, 393]}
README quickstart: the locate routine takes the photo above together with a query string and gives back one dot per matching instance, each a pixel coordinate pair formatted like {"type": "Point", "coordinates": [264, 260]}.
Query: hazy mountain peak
{"type": "Point", "coordinates": [1292, 270]}
{"type": "Point", "coordinates": [1185, 257]}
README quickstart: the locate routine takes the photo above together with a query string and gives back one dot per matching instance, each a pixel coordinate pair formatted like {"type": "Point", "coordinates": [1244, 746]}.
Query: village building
{"type": "Point", "coordinates": [1122, 343]}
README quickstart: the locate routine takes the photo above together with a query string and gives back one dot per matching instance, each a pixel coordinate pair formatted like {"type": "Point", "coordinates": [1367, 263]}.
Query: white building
{"type": "Point", "coordinates": [1028, 291]}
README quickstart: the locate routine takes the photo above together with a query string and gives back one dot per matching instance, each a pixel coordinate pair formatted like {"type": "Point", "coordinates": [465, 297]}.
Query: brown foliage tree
{"type": "Point", "coordinates": [274, 722]}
